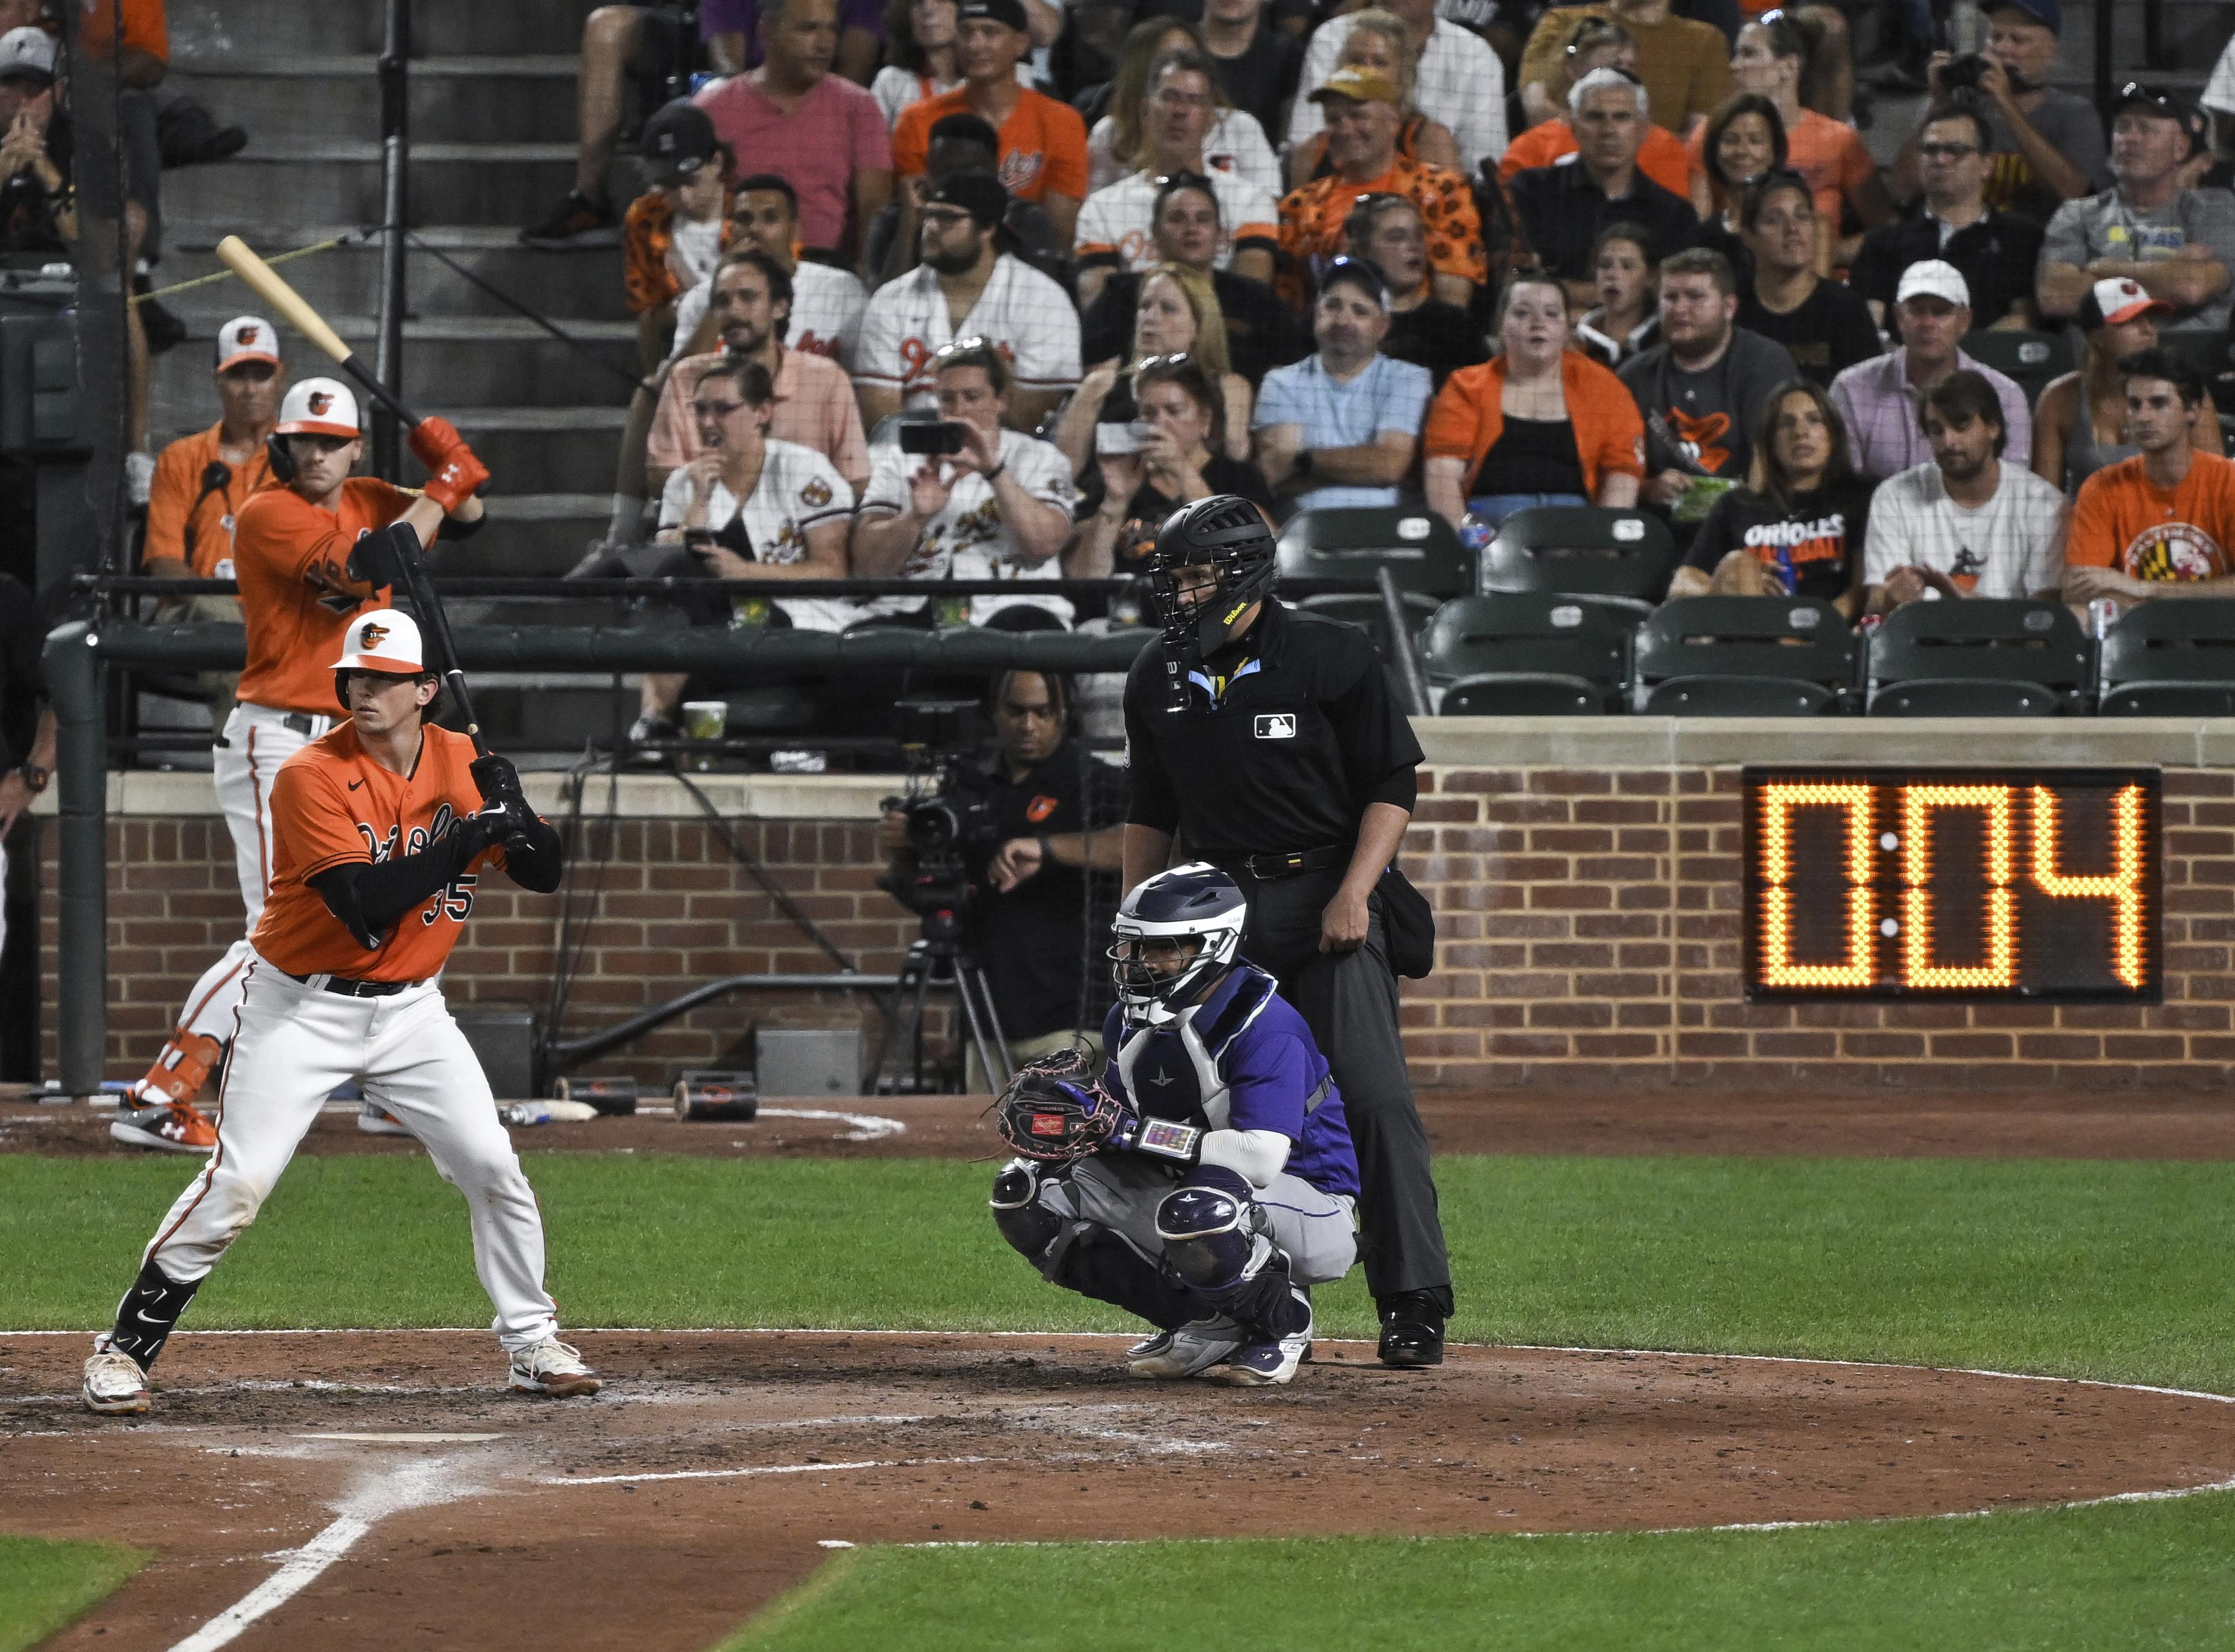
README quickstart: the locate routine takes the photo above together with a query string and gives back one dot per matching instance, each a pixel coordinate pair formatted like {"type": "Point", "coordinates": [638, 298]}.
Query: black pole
{"type": "Point", "coordinates": [74, 682]}
{"type": "Point", "coordinates": [2103, 10]}
{"type": "Point", "coordinates": [395, 159]}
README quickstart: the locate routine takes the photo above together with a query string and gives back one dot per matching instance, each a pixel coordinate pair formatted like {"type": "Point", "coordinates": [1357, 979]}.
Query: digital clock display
{"type": "Point", "coordinates": [1952, 884]}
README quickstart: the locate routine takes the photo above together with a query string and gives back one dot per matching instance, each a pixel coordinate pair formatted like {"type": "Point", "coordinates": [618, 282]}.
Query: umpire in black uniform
{"type": "Point", "coordinates": [1267, 739]}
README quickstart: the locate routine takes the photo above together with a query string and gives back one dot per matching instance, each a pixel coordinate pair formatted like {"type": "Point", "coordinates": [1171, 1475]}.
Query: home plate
{"type": "Point", "coordinates": [408, 1439]}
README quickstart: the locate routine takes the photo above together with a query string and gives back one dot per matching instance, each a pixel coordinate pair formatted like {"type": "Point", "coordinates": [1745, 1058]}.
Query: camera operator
{"type": "Point", "coordinates": [1046, 814]}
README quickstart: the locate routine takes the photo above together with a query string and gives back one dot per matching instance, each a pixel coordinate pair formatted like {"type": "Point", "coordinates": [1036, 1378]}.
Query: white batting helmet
{"type": "Point", "coordinates": [318, 407]}
{"type": "Point", "coordinates": [382, 641]}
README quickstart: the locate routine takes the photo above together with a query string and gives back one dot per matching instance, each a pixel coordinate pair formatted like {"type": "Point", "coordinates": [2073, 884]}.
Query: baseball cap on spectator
{"type": "Point", "coordinates": [318, 407]}
{"type": "Point", "coordinates": [2160, 101]}
{"type": "Point", "coordinates": [1011, 12]}
{"type": "Point", "coordinates": [1934, 278]}
{"type": "Point", "coordinates": [247, 338]}
{"type": "Point", "coordinates": [1358, 83]}
{"type": "Point", "coordinates": [978, 194]}
{"type": "Point", "coordinates": [2117, 298]}
{"type": "Point", "coordinates": [2047, 13]}
{"type": "Point", "coordinates": [27, 54]}
{"type": "Point", "coordinates": [677, 141]}
{"type": "Point", "coordinates": [1362, 273]}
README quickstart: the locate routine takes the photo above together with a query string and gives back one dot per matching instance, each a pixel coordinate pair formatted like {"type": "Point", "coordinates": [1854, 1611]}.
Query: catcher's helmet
{"type": "Point", "coordinates": [1227, 535]}
{"type": "Point", "coordinates": [1195, 900]}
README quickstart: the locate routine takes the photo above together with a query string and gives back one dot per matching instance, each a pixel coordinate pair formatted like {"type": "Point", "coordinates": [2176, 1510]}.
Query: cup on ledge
{"type": "Point", "coordinates": [705, 720]}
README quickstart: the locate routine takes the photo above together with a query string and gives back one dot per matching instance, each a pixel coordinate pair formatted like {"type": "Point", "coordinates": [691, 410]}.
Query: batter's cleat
{"type": "Point", "coordinates": [1412, 1330]}
{"type": "Point", "coordinates": [553, 1368]}
{"type": "Point", "coordinates": [1266, 1364]}
{"type": "Point", "coordinates": [1182, 1353]}
{"type": "Point", "coordinates": [178, 1127]}
{"type": "Point", "coordinates": [375, 1120]}
{"type": "Point", "coordinates": [180, 1070]}
{"type": "Point", "coordinates": [114, 1384]}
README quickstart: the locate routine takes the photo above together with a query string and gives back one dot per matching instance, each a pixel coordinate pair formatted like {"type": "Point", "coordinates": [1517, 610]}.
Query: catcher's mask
{"type": "Point", "coordinates": [1198, 902]}
{"type": "Point", "coordinates": [1227, 535]}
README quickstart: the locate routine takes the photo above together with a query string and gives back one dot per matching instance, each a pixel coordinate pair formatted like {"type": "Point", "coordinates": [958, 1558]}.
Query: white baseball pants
{"type": "Point", "coordinates": [296, 1042]}
{"type": "Point", "coordinates": [257, 740]}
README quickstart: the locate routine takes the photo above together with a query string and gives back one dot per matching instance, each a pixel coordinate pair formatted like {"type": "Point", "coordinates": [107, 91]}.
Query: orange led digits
{"type": "Point", "coordinates": [2121, 886]}
{"type": "Point", "coordinates": [1778, 803]}
{"type": "Point", "coordinates": [1917, 970]}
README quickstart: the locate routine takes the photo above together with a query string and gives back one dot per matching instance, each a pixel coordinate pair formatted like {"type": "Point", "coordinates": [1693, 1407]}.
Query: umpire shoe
{"type": "Point", "coordinates": [1182, 1353]}
{"type": "Point", "coordinates": [1412, 1330]}
{"type": "Point", "coordinates": [173, 1127]}
{"type": "Point", "coordinates": [114, 1382]}
{"type": "Point", "coordinates": [551, 1368]}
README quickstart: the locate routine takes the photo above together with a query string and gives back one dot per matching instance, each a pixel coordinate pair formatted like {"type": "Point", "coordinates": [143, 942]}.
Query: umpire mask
{"type": "Point", "coordinates": [1197, 900]}
{"type": "Point", "coordinates": [1228, 536]}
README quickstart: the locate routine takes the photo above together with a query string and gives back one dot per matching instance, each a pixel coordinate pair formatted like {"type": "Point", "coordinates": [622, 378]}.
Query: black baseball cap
{"type": "Point", "coordinates": [677, 141]}
{"type": "Point", "coordinates": [1362, 273]}
{"type": "Point", "coordinates": [978, 194]}
{"type": "Point", "coordinates": [2165, 102]}
{"type": "Point", "coordinates": [1011, 12]}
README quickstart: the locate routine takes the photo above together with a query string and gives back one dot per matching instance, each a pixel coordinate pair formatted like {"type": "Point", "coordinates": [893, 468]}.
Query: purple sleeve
{"type": "Point", "coordinates": [859, 14]}
{"type": "Point", "coordinates": [725, 18]}
{"type": "Point", "coordinates": [1269, 1077]}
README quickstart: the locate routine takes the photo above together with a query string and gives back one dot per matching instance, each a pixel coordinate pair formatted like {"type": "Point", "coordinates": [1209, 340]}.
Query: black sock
{"type": "Point", "coordinates": [149, 1313]}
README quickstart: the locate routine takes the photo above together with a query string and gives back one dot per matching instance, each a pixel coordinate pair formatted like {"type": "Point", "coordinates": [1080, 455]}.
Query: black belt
{"type": "Point", "coordinates": [1290, 862]}
{"type": "Point", "coordinates": [348, 988]}
{"type": "Point", "coordinates": [302, 722]}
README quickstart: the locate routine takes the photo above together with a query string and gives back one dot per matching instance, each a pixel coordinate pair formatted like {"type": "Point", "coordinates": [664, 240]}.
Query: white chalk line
{"type": "Point", "coordinates": [761, 1469]}
{"type": "Point", "coordinates": [866, 1127]}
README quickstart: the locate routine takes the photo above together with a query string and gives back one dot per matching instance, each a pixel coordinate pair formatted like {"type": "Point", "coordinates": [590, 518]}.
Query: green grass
{"type": "Point", "coordinates": [44, 1584]}
{"type": "Point", "coordinates": [2077, 1269]}
{"type": "Point", "coordinates": [2102, 1579]}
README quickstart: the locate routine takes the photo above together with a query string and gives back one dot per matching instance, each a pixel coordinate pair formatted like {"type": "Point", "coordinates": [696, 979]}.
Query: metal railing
{"type": "Point", "coordinates": [396, 204]}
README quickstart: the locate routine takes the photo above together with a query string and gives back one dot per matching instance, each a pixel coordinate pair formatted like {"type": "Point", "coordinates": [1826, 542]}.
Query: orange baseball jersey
{"type": "Point", "coordinates": [1043, 142]}
{"type": "Point", "coordinates": [331, 803]}
{"type": "Point", "coordinates": [289, 557]}
{"type": "Point", "coordinates": [173, 507]}
{"type": "Point", "coordinates": [2122, 520]}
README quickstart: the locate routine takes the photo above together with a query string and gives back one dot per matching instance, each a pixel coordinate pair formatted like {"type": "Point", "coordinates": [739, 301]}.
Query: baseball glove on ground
{"type": "Point", "coordinates": [1054, 1111]}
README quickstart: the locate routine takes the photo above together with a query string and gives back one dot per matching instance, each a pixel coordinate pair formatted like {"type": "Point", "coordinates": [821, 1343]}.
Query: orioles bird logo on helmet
{"type": "Point", "coordinates": [371, 637]}
{"type": "Point", "coordinates": [319, 402]}
{"type": "Point", "coordinates": [248, 335]}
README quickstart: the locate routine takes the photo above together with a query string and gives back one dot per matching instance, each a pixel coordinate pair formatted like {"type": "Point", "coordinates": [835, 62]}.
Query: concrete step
{"type": "Point", "coordinates": [274, 27]}
{"type": "Point", "coordinates": [576, 284]}
{"type": "Point", "coordinates": [536, 535]}
{"type": "Point", "coordinates": [542, 449]}
{"type": "Point", "coordinates": [336, 181]}
{"type": "Point", "coordinates": [491, 100]}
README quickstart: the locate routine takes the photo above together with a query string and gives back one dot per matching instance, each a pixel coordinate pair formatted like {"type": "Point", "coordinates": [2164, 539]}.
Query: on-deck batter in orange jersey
{"type": "Point", "coordinates": [333, 803]}
{"type": "Point", "coordinates": [289, 557]}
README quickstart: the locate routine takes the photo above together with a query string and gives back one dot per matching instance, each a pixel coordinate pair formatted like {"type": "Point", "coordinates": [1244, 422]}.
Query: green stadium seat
{"type": "Point", "coordinates": [2031, 358]}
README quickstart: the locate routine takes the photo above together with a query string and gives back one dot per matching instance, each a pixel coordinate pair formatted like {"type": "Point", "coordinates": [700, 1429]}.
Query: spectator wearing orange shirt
{"type": "Point", "coordinates": [1599, 43]}
{"type": "Point", "coordinates": [674, 234]}
{"type": "Point", "coordinates": [1043, 154]}
{"type": "Point", "coordinates": [2160, 523]}
{"type": "Point", "coordinates": [1362, 118]}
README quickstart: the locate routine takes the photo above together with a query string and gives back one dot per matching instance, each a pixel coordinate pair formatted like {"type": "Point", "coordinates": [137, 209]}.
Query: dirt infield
{"type": "Point", "coordinates": [717, 1467]}
{"type": "Point", "coordinates": [1645, 1120]}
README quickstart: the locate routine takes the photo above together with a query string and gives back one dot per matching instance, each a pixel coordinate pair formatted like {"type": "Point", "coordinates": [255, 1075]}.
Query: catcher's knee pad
{"type": "Point", "coordinates": [1209, 1229]}
{"type": "Point", "coordinates": [1025, 1216]}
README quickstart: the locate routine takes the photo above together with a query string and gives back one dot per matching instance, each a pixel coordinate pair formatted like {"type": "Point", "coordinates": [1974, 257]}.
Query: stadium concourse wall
{"type": "Point", "coordinates": [1584, 872]}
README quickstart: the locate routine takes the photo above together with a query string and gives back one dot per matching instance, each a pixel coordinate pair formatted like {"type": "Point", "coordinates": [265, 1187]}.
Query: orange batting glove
{"type": "Point", "coordinates": [433, 441]}
{"type": "Point", "coordinates": [457, 479]}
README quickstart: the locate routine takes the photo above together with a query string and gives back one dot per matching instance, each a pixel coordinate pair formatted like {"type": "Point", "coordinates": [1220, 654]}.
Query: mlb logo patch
{"type": "Point", "coordinates": [1276, 726]}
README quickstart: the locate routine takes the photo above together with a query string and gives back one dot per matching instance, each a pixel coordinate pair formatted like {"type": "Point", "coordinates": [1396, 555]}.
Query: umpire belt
{"type": "Point", "coordinates": [1281, 863]}
{"type": "Point", "coordinates": [348, 988]}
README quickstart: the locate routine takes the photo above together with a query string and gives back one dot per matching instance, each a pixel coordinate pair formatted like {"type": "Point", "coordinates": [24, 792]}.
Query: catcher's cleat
{"type": "Point", "coordinates": [114, 1384]}
{"type": "Point", "coordinates": [1183, 1352]}
{"type": "Point", "coordinates": [1411, 1331]}
{"type": "Point", "coordinates": [179, 1127]}
{"type": "Point", "coordinates": [551, 1368]}
{"type": "Point", "coordinates": [1263, 1365]}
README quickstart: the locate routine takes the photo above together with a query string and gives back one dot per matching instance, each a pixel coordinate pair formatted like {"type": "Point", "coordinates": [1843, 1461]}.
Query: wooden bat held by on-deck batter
{"type": "Point", "coordinates": [238, 257]}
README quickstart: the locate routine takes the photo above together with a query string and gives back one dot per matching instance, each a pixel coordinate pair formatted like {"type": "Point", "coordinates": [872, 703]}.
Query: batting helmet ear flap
{"type": "Point", "coordinates": [276, 454]}
{"type": "Point", "coordinates": [341, 689]}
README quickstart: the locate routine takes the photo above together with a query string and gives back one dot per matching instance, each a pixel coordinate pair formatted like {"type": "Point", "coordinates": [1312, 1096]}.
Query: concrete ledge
{"type": "Point", "coordinates": [1659, 743]}
{"type": "Point", "coordinates": [145, 793]}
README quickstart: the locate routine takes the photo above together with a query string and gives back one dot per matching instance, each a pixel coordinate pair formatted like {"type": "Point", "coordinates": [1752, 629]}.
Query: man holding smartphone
{"type": "Point", "coordinates": [967, 498]}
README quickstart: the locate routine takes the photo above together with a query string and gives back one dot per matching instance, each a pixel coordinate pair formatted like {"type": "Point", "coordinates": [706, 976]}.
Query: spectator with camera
{"type": "Point", "coordinates": [1565, 208]}
{"type": "Point", "coordinates": [1994, 250]}
{"type": "Point", "coordinates": [2046, 145]}
{"type": "Point", "coordinates": [2150, 227]}
{"type": "Point", "coordinates": [968, 286]}
{"type": "Point", "coordinates": [968, 497]}
{"type": "Point", "coordinates": [1177, 315]}
{"type": "Point", "coordinates": [1882, 399]}
{"type": "Point", "coordinates": [1043, 817]}
{"type": "Point", "coordinates": [1160, 449]}
{"type": "Point", "coordinates": [37, 212]}
{"type": "Point", "coordinates": [1388, 232]}
{"type": "Point", "coordinates": [2157, 524]}
{"type": "Point", "coordinates": [1342, 427]}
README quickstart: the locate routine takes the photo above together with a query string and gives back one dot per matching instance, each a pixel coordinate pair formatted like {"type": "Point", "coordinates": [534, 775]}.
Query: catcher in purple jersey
{"type": "Point", "coordinates": [1207, 1180]}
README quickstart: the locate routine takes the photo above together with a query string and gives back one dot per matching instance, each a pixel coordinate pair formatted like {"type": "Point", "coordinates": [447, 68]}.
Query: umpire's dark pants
{"type": "Point", "coordinates": [1349, 1001]}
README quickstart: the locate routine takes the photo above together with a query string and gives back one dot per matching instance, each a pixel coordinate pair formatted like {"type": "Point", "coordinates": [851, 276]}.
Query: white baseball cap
{"type": "Point", "coordinates": [386, 640]}
{"type": "Point", "coordinates": [2116, 299]}
{"type": "Point", "coordinates": [1934, 278]}
{"type": "Point", "coordinates": [247, 338]}
{"type": "Point", "coordinates": [27, 51]}
{"type": "Point", "coordinates": [318, 407]}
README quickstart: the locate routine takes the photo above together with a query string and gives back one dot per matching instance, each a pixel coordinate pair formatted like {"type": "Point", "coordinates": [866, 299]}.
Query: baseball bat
{"type": "Point", "coordinates": [269, 286]}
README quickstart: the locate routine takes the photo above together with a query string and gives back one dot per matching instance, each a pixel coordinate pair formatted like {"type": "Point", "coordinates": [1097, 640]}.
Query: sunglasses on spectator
{"type": "Point", "coordinates": [1177, 358]}
{"type": "Point", "coordinates": [1181, 180]}
{"type": "Point", "coordinates": [961, 347]}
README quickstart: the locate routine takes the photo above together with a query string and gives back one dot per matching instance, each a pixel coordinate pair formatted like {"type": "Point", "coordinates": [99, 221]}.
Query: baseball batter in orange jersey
{"type": "Point", "coordinates": [291, 546]}
{"type": "Point", "coordinates": [382, 830]}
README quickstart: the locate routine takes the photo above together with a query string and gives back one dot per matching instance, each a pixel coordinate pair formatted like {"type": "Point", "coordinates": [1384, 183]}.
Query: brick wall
{"type": "Point", "coordinates": [1588, 925]}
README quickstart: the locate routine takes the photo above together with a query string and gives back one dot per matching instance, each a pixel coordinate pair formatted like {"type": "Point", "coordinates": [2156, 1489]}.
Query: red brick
{"type": "Point", "coordinates": [2059, 1046]}
{"type": "Point", "coordinates": [1971, 1046]}
{"type": "Point", "coordinates": [1643, 1013]}
{"type": "Point", "coordinates": [1570, 897]}
{"type": "Point", "coordinates": [1617, 1046]}
{"type": "Point", "coordinates": [1553, 1014]}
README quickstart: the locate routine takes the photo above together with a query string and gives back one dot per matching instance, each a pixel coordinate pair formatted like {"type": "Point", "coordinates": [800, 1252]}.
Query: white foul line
{"type": "Point", "coordinates": [771, 1468]}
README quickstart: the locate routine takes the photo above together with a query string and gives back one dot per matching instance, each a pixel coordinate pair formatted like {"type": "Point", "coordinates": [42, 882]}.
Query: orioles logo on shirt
{"type": "Point", "coordinates": [817, 492]}
{"type": "Point", "coordinates": [1040, 809]}
{"type": "Point", "coordinates": [1020, 171]}
{"type": "Point", "coordinates": [1699, 439]}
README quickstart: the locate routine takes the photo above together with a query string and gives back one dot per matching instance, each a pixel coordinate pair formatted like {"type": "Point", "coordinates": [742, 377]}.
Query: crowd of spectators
{"type": "Point", "coordinates": [1473, 257]}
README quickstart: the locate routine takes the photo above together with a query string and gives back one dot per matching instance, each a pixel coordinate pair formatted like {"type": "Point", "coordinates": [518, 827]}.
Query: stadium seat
{"type": "Point", "coordinates": [2031, 358]}
{"type": "Point", "coordinates": [1719, 656]}
{"type": "Point", "coordinates": [1423, 555]}
{"type": "Point", "coordinates": [1621, 559]}
{"type": "Point", "coordinates": [2170, 658]}
{"type": "Point", "coordinates": [1979, 657]}
{"type": "Point", "coordinates": [1527, 655]}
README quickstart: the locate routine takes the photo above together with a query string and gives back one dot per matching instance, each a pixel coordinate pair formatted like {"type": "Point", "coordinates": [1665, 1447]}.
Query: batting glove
{"type": "Point", "coordinates": [433, 441]}
{"type": "Point", "coordinates": [459, 479]}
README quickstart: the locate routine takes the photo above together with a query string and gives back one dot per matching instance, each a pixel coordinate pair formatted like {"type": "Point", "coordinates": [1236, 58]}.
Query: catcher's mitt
{"type": "Point", "coordinates": [1055, 1111]}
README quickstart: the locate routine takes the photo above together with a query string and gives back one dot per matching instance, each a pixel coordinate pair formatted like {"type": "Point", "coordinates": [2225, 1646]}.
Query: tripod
{"type": "Point", "coordinates": [936, 959]}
